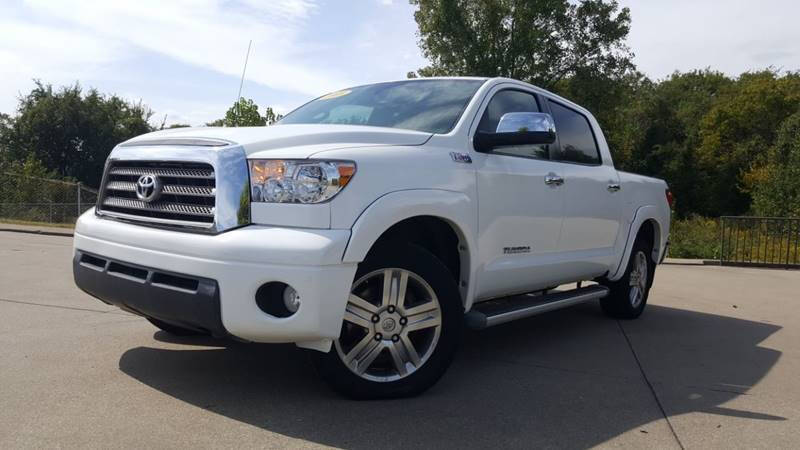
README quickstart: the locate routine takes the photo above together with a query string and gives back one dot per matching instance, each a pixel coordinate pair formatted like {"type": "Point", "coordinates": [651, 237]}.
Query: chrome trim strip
{"type": "Point", "coordinates": [155, 221]}
{"type": "Point", "coordinates": [192, 142]}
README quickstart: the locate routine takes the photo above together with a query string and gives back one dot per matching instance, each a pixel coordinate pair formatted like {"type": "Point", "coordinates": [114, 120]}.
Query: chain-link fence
{"type": "Point", "coordinates": [31, 199]}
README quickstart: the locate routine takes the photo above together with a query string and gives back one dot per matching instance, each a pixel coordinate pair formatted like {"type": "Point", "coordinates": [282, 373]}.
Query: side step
{"type": "Point", "coordinates": [495, 312]}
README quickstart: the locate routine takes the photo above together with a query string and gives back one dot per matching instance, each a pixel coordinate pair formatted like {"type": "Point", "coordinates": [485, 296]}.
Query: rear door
{"type": "Point", "coordinates": [519, 215]}
{"type": "Point", "coordinates": [592, 202]}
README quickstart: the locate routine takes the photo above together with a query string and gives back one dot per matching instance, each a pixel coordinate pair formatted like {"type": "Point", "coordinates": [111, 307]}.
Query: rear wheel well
{"type": "Point", "coordinates": [650, 234]}
{"type": "Point", "coordinates": [431, 233]}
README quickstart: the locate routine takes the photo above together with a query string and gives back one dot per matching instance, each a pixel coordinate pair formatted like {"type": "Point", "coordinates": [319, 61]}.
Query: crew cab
{"type": "Point", "coordinates": [373, 223]}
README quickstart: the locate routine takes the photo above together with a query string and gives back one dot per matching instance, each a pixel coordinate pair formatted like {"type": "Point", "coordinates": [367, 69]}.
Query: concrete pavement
{"type": "Point", "coordinates": [713, 362]}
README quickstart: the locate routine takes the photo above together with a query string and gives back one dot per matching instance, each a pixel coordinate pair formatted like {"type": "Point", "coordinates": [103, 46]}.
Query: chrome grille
{"type": "Point", "coordinates": [188, 192]}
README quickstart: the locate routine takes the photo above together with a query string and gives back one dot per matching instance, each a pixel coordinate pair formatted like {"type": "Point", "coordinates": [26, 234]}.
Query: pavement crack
{"type": "Point", "coordinates": [650, 386]}
{"type": "Point", "coordinates": [74, 308]}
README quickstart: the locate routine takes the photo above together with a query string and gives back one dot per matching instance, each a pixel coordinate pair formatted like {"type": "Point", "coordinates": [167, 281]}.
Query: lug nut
{"type": "Point", "coordinates": [390, 309]}
{"type": "Point", "coordinates": [395, 338]}
{"type": "Point", "coordinates": [378, 337]}
{"type": "Point", "coordinates": [403, 321]}
{"type": "Point", "coordinates": [375, 318]}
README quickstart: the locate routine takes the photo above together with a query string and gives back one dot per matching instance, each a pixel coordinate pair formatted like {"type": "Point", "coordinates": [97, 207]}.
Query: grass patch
{"type": "Point", "coordinates": [37, 224]}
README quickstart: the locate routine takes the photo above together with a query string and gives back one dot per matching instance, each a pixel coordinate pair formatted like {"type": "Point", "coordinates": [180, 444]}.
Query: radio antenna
{"type": "Point", "coordinates": [241, 82]}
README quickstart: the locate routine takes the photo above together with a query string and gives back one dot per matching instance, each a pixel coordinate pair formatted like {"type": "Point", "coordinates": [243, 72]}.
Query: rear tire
{"type": "Point", "coordinates": [173, 329]}
{"type": "Point", "coordinates": [627, 296]}
{"type": "Point", "coordinates": [398, 344]}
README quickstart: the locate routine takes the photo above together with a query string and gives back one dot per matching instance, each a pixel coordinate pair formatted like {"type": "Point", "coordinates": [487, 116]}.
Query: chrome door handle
{"type": "Point", "coordinates": [552, 179]}
{"type": "Point", "coordinates": [614, 187]}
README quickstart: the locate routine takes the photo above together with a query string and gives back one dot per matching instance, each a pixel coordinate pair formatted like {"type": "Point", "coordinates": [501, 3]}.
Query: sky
{"type": "Point", "coordinates": [184, 58]}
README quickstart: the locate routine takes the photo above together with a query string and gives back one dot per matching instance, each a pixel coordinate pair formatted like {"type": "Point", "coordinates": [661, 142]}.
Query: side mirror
{"type": "Point", "coordinates": [518, 128]}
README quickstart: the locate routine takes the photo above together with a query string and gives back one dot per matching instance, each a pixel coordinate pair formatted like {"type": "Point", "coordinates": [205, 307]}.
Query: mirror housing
{"type": "Point", "coordinates": [518, 128]}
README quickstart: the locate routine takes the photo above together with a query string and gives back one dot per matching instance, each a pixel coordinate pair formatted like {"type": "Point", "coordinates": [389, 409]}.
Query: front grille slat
{"type": "Point", "coordinates": [175, 208]}
{"type": "Point", "coordinates": [164, 172]}
{"type": "Point", "coordinates": [194, 191]}
{"type": "Point", "coordinates": [188, 193]}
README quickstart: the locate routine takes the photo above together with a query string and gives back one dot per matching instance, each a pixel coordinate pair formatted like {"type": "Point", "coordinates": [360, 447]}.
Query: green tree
{"type": "Point", "coordinates": [775, 186]}
{"type": "Point", "coordinates": [538, 41]}
{"type": "Point", "coordinates": [658, 133]}
{"type": "Point", "coordinates": [6, 124]}
{"type": "Point", "coordinates": [244, 113]}
{"type": "Point", "coordinates": [69, 131]}
{"type": "Point", "coordinates": [737, 132]}
{"type": "Point", "coordinates": [270, 116]}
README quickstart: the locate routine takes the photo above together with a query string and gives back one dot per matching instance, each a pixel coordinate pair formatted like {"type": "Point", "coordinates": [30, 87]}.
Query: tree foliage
{"type": "Point", "coordinates": [244, 113]}
{"type": "Point", "coordinates": [71, 132]}
{"type": "Point", "coordinates": [775, 184]}
{"type": "Point", "coordinates": [737, 132]}
{"type": "Point", "coordinates": [710, 136]}
{"type": "Point", "coordinates": [538, 41]}
{"type": "Point", "coordinates": [270, 116]}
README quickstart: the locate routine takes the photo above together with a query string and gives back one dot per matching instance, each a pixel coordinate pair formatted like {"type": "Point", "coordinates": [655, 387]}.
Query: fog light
{"type": "Point", "coordinates": [277, 299]}
{"type": "Point", "coordinates": [291, 300]}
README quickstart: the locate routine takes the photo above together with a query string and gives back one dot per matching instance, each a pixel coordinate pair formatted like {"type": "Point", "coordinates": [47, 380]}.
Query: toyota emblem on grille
{"type": "Point", "coordinates": [148, 188]}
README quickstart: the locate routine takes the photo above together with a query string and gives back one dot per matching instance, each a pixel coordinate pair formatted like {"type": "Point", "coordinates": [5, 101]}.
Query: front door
{"type": "Point", "coordinates": [520, 208]}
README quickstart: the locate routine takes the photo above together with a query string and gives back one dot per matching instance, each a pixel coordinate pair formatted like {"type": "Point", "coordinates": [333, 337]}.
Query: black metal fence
{"type": "Point", "coordinates": [760, 241]}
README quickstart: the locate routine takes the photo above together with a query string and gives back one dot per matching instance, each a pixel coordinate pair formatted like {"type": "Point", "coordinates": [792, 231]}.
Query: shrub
{"type": "Point", "coordinates": [695, 237]}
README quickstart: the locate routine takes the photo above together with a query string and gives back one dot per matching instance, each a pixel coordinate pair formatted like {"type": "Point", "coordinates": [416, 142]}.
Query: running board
{"type": "Point", "coordinates": [495, 312]}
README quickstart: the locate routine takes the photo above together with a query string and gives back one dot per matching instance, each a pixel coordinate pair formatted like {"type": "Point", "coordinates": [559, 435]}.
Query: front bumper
{"type": "Point", "coordinates": [183, 300]}
{"type": "Point", "coordinates": [234, 264]}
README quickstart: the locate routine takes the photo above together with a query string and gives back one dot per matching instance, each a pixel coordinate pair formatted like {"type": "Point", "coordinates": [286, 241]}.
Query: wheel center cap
{"type": "Point", "coordinates": [388, 325]}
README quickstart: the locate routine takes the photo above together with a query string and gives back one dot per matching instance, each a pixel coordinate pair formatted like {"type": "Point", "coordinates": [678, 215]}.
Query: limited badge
{"type": "Point", "coordinates": [516, 250]}
{"type": "Point", "coordinates": [461, 157]}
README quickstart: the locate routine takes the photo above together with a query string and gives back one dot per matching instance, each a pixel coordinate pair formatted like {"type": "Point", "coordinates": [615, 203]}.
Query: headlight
{"type": "Point", "coordinates": [298, 181]}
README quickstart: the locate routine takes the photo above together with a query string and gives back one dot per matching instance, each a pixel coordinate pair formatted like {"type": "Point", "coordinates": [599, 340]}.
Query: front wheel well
{"type": "Point", "coordinates": [435, 235]}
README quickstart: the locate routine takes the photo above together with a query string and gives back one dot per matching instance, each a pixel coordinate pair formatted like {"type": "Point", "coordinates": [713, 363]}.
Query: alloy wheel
{"type": "Point", "coordinates": [638, 279]}
{"type": "Point", "coordinates": [392, 324]}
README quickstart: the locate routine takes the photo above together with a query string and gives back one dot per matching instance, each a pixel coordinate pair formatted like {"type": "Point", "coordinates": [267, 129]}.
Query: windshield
{"type": "Point", "coordinates": [433, 106]}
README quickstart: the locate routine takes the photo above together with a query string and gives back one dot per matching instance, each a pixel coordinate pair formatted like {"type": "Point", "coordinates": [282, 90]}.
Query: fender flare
{"type": "Point", "coordinates": [456, 208]}
{"type": "Point", "coordinates": [642, 214]}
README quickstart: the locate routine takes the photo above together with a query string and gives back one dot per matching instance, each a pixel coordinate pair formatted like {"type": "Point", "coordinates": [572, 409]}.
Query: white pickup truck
{"type": "Point", "coordinates": [374, 223]}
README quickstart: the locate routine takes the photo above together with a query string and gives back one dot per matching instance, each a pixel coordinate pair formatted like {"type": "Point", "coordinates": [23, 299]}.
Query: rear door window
{"type": "Point", "coordinates": [575, 136]}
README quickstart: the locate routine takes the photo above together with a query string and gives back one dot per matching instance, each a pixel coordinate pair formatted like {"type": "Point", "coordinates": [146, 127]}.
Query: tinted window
{"type": "Point", "coordinates": [506, 102]}
{"type": "Point", "coordinates": [433, 106]}
{"type": "Point", "coordinates": [574, 135]}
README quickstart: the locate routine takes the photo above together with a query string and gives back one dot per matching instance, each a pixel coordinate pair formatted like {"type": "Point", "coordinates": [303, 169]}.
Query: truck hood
{"type": "Point", "coordinates": [287, 141]}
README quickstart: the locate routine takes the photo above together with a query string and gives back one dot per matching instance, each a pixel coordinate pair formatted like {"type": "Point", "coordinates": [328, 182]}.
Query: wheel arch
{"type": "Point", "coordinates": [440, 221]}
{"type": "Point", "coordinates": [648, 223]}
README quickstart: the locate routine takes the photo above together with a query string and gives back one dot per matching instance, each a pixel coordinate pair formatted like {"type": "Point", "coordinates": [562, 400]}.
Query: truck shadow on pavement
{"type": "Point", "coordinates": [566, 379]}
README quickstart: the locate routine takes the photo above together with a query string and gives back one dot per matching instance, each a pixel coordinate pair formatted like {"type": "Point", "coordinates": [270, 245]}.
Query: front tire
{"type": "Point", "coordinates": [627, 296]}
{"type": "Point", "coordinates": [402, 326]}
